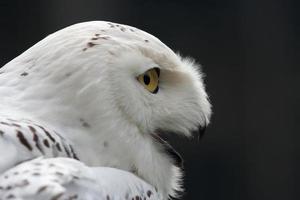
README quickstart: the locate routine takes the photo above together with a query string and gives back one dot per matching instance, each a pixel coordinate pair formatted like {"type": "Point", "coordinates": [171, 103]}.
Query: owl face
{"type": "Point", "coordinates": [160, 91]}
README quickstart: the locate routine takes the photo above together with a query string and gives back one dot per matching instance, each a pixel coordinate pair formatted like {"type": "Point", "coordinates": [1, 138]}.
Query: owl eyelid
{"type": "Point", "coordinates": [156, 90]}
{"type": "Point", "coordinates": [157, 71]}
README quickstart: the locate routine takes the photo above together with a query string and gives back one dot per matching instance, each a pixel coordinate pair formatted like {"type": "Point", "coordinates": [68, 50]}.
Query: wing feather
{"type": "Point", "coordinates": [65, 178]}
{"type": "Point", "coordinates": [22, 140]}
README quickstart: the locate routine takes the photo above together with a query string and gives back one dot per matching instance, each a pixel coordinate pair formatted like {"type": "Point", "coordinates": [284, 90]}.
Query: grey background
{"type": "Point", "coordinates": [249, 52]}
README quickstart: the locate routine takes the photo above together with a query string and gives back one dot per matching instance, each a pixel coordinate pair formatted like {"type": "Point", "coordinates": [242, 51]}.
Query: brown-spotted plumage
{"type": "Point", "coordinates": [23, 139]}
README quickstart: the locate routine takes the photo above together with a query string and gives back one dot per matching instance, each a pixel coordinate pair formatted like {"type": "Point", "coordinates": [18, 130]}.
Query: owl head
{"type": "Point", "coordinates": [113, 90]}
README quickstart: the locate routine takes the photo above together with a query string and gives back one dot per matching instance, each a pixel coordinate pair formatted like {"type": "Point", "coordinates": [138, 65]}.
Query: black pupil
{"type": "Point", "coordinates": [146, 79]}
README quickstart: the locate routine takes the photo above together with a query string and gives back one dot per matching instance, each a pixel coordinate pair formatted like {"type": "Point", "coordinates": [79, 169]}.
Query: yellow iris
{"type": "Point", "coordinates": [150, 80]}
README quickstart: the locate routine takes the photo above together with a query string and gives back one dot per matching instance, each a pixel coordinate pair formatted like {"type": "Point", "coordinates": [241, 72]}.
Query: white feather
{"type": "Point", "coordinates": [81, 82]}
{"type": "Point", "coordinates": [64, 178]}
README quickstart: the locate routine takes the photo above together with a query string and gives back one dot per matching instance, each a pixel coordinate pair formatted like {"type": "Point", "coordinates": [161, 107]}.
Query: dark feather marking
{"type": "Point", "coordinates": [68, 74]}
{"type": "Point", "coordinates": [91, 44]}
{"type": "Point", "coordinates": [41, 189]}
{"type": "Point", "coordinates": [75, 177]}
{"type": "Point", "coordinates": [66, 150]}
{"type": "Point", "coordinates": [46, 143]}
{"type": "Point", "coordinates": [111, 25]}
{"type": "Point", "coordinates": [58, 147]}
{"type": "Point", "coordinates": [23, 140]}
{"type": "Point", "coordinates": [16, 125]}
{"type": "Point", "coordinates": [73, 152]}
{"type": "Point", "coordinates": [84, 123]}
{"type": "Point", "coordinates": [47, 133]}
{"type": "Point", "coordinates": [105, 144]}
{"type": "Point", "coordinates": [149, 193]}
{"type": "Point", "coordinates": [24, 74]}
{"type": "Point", "coordinates": [1, 132]}
{"type": "Point", "coordinates": [36, 139]}
{"type": "Point", "coordinates": [105, 37]}
{"type": "Point", "coordinates": [137, 198]}
{"type": "Point", "coordinates": [4, 123]}
{"type": "Point", "coordinates": [63, 144]}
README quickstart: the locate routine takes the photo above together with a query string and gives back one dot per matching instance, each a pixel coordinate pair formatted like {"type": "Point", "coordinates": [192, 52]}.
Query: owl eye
{"type": "Point", "coordinates": [150, 80]}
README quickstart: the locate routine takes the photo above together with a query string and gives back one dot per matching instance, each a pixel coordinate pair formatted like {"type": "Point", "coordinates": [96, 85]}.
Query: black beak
{"type": "Point", "coordinates": [200, 132]}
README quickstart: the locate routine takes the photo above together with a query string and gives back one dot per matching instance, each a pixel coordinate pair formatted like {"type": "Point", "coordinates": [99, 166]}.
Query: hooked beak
{"type": "Point", "coordinates": [158, 136]}
{"type": "Point", "coordinates": [200, 131]}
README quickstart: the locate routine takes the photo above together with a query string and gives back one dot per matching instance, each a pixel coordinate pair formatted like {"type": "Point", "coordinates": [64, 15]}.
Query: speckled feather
{"type": "Point", "coordinates": [68, 179]}
{"type": "Point", "coordinates": [22, 140]}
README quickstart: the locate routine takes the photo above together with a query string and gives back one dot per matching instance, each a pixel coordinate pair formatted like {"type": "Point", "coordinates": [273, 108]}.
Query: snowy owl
{"type": "Point", "coordinates": [83, 112]}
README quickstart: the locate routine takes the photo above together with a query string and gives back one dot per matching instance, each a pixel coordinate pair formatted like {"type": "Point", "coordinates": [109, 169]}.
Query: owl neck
{"type": "Point", "coordinates": [102, 140]}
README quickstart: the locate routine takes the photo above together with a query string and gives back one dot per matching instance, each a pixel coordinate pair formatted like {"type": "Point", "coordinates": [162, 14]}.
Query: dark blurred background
{"type": "Point", "coordinates": [249, 52]}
